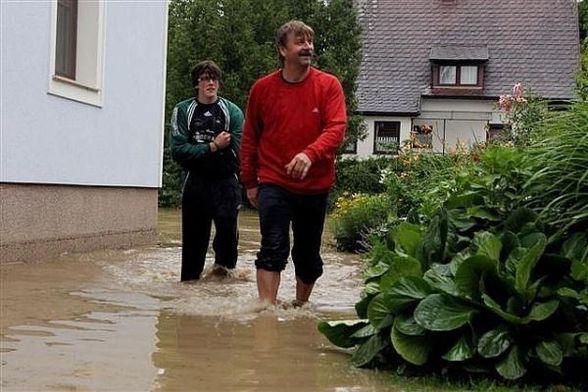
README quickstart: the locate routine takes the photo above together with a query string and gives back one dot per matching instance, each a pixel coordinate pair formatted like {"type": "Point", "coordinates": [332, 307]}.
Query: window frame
{"type": "Point", "coordinates": [377, 125]}
{"type": "Point", "coordinates": [458, 67]}
{"type": "Point", "coordinates": [87, 85]}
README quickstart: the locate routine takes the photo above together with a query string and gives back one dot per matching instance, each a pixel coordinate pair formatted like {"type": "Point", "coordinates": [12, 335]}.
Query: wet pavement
{"type": "Point", "coordinates": [121, 321]}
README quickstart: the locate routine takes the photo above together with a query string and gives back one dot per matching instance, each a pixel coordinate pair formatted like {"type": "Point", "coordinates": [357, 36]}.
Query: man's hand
{"type": "Point", "coordinates": [299, 166]}
{"type": "Point", "coordinates": [222, 140]}
{"type": "Point", "coordinates": [252, 196]}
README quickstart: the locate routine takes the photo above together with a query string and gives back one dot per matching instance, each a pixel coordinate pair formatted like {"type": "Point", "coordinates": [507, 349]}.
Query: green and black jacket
{"type": "Point", "coordinates": [191, 149]}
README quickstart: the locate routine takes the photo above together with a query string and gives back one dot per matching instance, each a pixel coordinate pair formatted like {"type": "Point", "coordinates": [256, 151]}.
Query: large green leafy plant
{"type": "Point", "coordinates": [479, 288]}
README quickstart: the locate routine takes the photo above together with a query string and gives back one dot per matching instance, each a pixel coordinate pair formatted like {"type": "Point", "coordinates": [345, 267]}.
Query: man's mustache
{"type": "Point", "coordinates": [307, 53]}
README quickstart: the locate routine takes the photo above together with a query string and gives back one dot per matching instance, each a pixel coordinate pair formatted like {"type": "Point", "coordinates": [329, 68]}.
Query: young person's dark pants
{"type": "Point", "coordinates": [205, 201]}
{"type": "Point", "coordinates": [277, 208]}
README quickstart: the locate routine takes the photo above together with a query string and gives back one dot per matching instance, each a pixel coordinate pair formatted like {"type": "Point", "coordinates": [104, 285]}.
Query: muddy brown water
{"type": "Point", "coordinates": [121, 321]}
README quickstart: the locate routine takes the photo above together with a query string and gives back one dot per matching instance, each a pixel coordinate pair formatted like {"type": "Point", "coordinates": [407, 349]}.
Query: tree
{"type": "Point", "coordinates": [239, 36]}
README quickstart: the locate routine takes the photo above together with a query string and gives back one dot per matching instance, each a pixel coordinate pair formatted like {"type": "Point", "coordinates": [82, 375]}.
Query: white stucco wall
{"type": "Point", "coordinates": [50, 139]}
{"type": "Point", "coordinates": [453, 120]}
{"type": "Point", "coordinates": [365, 147]}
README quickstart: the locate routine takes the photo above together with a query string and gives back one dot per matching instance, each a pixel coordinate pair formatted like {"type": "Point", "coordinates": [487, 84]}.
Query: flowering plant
{"type": "Point", "coordinates": [523, 114]}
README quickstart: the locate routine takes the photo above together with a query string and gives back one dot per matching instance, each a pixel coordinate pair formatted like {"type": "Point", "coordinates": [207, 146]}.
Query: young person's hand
{"type": "Point", "coordinates": [222, 140]}
{"type": "Point", "coordinates": [299, 166]}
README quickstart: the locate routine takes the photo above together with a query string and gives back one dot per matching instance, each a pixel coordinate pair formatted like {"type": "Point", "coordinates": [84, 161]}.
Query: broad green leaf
{"type": "Point", "coordinates": [493, 343]}
{"type": "Point", "coordinates": [488, 245]}
{"type": "Point", "coordinates": [367, 351]}
{"type": "Point", "coordinates": [402, 266]}
{"type": "Point", "coordinates": [575, 246]}
{"type": "Point", "coordinates": [527, 263]}
{"type": "Point", "coordinates": [483, 213]}
{"type": "Point", "coordinates": [567, 342]}
{"type": "Point", "coordinates": [440, 312]}
{"type": "Point", "coordinates": [519, 218]}
{"type": "Point", "coordinates": [512, 366]}
{"type": "Point", "coordinates": [406, 324]}
{"type": "Point", "coordinates": [371, 288]}
{"type": "Point", "coordinates": [361, 306]}
{"type": "Point", "coordinates": [469, 275]}
{"type": "Point", "coordinates": [583, 338]}
{"type": "Point", "coordinates": [531, 239]}
{"type": "Point", "coordinates": [496, 308]}
{"type": "Point", "coordinates": [365, 332]}
{"type": "Point", "coordinates": [405, 293]}
{"type": "Point", "coordinates": [455, 262]}
{"type": "Point", "coordinates": [464, 200]}
{"type": "Point", "coordinates": [376, 271]}
{"type": "Point", "coordinates": [539, 311]}
{"type": "Point", "coordinates": [542, 311]}
{"type": "Point", "coordinates": [432, 247]}
{"type": "Point", "coordinates": [459, 221]}
{"type": "Point", "coordinates": [339, 332]}
{"type": "Point", "coordinates": [580, 271]}
{"type": "Point", "coordinates": [509, 243]}
{"type": "Point", "coordinates": [550, 353]}
{"type": "Point", "coordinates": [512, 262]}
{"type": "Point", "coordinates": [408, 235]}
{"type": "Point", "coordinates": [442, 282]}
{"type": "Point", "coordinates": [461, 351]}
{"type": "Point", "coordinates": [378, 312]}
{"type": "Point", "coordinates": [568, 292]}
{"type": "Point", "coordinates": [414, 349]}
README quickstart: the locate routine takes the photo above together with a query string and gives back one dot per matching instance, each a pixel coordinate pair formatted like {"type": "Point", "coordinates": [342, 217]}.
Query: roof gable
{"type": "Point", "coordinates": [532, 42]}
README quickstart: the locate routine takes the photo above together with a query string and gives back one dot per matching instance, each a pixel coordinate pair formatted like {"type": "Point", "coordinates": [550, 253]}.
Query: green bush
{"type": "Point", "coordinates": [459, 297]}
{"type": "Point", "coordinates": [558, 188]}
{"type": "Point", "coordinates": [484, 286]}
{"type": "Point", "coordinates": [359, 176]}
{"type": "Point", "coordinates": [356, 217]}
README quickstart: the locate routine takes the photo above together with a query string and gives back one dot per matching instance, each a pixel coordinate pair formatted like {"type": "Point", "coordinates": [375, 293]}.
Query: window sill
{"type": "Point", "coordinates": [457, 91]}
{"type": "Point", "coordinates": [75, 91]}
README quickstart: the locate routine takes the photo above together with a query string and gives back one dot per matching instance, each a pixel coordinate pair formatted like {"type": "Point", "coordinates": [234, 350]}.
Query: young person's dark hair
{"type": "Point", "coordinates": [205, 68]}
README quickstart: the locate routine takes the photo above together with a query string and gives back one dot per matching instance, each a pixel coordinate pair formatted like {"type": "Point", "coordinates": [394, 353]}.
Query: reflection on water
{"type": "Point", "coordinates": [121, 320]}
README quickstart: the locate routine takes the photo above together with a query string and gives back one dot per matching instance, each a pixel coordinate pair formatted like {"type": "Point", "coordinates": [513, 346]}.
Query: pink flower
{"type": "Point", "coordinates": [505, 102]}
{"type": "Point", "coordinates": [517, 90]}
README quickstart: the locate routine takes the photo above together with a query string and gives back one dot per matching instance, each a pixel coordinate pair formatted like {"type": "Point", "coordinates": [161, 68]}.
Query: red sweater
{"type": "Point", "coordinates": [284, 119]}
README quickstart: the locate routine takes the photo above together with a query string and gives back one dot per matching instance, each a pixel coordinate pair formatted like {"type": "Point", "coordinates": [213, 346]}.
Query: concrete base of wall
{"type": "Point", "coordinates": [44, 221]}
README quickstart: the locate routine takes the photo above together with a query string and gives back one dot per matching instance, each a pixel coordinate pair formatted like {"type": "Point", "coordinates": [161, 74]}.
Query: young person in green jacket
{"type": "Point", "coordinates": [205, 140]}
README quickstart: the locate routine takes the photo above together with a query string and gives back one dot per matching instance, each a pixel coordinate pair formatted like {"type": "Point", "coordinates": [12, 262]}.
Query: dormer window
{"type": "Point", "coordinates": [457, 70]}
{"type": "Point", "coordinates": [458, 75]}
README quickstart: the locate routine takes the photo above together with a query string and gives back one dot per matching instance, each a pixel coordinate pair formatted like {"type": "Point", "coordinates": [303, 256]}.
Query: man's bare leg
{"type": "Point", "coordinates": [267, 286]}
{"type": "Point", "coordinates": [303, 291]}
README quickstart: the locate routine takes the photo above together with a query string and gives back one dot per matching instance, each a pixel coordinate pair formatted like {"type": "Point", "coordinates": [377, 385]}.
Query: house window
{"type": "Point", "coordinates": [458, 75]}
{"type": "Point", "coordinates": [65, 45]}
{"type": "Point", "coordinates": [386, 137]}
{"type": "Point", "coordinates": [447, 74]}
{"type": "Point", "coordinates": [77, 32]}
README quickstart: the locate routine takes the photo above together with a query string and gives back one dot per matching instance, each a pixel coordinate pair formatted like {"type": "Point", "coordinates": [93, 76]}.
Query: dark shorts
{"type": "Point", "coordinates": [278, 208]}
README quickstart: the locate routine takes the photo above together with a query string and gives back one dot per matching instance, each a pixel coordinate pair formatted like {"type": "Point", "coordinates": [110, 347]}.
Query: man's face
{"type": "Point", "coordinates": [207, 87]}
{"type": "Point", "coordinates": [298, 51]}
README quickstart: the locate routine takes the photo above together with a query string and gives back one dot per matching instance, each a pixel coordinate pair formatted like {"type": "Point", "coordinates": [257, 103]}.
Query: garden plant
{"type": "Point", "coordinates": [494, 278]}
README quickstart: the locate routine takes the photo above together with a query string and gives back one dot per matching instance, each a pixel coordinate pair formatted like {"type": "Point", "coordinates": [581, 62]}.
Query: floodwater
{"type": "Point", "coordinates": [121, 321]}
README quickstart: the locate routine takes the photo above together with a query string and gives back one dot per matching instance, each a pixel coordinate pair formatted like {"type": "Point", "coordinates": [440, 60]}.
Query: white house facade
{"type": "Point", "coordinates": [83, 90]}
{"type": "Point", "coordinates": [433, 70]}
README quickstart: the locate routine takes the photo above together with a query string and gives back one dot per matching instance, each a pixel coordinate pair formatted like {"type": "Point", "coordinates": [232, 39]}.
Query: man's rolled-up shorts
{"type": "Point", "coordinates": [278, 208]}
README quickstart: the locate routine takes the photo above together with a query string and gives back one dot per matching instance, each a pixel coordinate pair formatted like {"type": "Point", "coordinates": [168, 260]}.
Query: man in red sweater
{"type": "Point", "coordinates": [294, 124]}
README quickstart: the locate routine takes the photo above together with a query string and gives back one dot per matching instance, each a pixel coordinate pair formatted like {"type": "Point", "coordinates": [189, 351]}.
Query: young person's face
{"type": "Point", "coordinates": [298, 51]}
{"type": "Point", "coordinates": [207, 88]}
